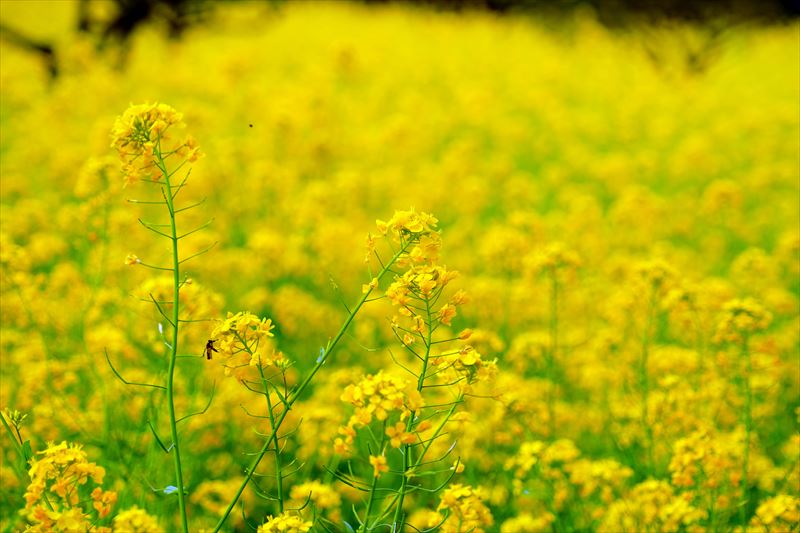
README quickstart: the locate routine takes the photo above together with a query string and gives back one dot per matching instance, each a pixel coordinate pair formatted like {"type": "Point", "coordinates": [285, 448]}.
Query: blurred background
{"type": "Point", "coordinates": [115, 21]}
{"type": "Point", "coordinates": [656, 141]}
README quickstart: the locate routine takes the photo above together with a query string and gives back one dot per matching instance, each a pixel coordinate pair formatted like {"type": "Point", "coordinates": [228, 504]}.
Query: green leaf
{"type": "Point", "coordinates": [27, 454]}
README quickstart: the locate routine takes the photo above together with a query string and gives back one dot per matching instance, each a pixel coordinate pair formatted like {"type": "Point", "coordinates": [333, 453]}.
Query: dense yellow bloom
{"type": "Point", "coordinates": [781, 511]}
{"type": "Point", "coordinates": [142, 134]}
{"type": "Point", "coordinates": [243, 341]}
{"type": "Point", "coordinates": [528, 523]}
{"type": "Point", "coordinates": [196, 301]}
{"type": "Point", "coordinates": [556, 259]}
{"type": "Point", "coordinates": [605, 477]}
{"type": "Point", "coordinates": [656, 275]}
{"type": "Point", "coordinates": [135, 520]}
{"type": "Point", "coordinates": [419, 282]}
{"type": "Point", "coordinates": [287, 522]}
{"type": "Point", "coordinates": [325, 499]}
{"type": "Point", "coordinates": [465, 364]}
{"type": "Point", "coordinates": [404, 223]}
{"type": "Point", "coordinates": [58, 491]}
{"type": "Point", "coordinates": [740, 318]}
{"type": "Point", "coordinates": [466, 510]}
{"type": "Point", "coordinates": [66, 467]}
{"type": "Point", "coordinates": [213, 494]}
{"type": "Point", "coordinates": [378, 397]}
{"type": "Point", "coordinates": [136, 131]}
{"type": "Point", "coordinates": [651, 505]}
{"type": "Point", "coordinates": [379, 394]}
{"type": "Point", "coordinates": [699, 460]}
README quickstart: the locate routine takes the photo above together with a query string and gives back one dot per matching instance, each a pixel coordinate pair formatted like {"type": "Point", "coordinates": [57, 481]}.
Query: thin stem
{"type": "Point", "coordinates": [290, 401]}
{"type": "Point", "coordinates": [364, 527]}
{"type": "Point", "coordinates": [396, 527]}
{"type": "Point", "coordinates": [398, 514]}
{"type": "Point", "coordinates": [17, 439]}
{"type": "Point", "coordinates": [748, 427]}
{"type": "Point", "coordinates": [645, 385]}
{"type": "Point", "coordinates": [19, 445]}
{"type": "Point", "coordinates": [551, 360]}
{"type": "Point", "coordinates": [176, 285]}
{"type": "Point", "coordinates": [278, 465]}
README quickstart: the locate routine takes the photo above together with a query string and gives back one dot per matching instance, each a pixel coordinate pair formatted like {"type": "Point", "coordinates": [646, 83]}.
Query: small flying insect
{"type": "Point", "coordinates": [210, 348]}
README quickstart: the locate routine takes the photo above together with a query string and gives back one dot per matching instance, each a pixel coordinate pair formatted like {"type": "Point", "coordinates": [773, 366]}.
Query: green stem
{"type": "Point", "coordinates": [364, 526]}
{"type": "Point", "coordinates": [290, 401]}
{"type": "Point", "coordinates": [645, 386]}
{"type": "Point", "coordinates": [397, 524]}
{"type": "Point", "coordinates": [278, 465]}
{"type": "Point", "coordinates": [18, 445]}
{"type": "Point", "coordinates": [369, 503]}
{"type": "Point", "coordinates": [748, 427]}
{"type": "Point", "coordinates": [421, 456]}
{"type": "Point", "coordinates": [176, 454]}
{"type": "Point", "coordinates": [551, 360]}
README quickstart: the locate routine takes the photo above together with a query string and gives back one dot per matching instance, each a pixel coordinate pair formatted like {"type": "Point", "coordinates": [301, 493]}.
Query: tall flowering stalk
{"type": "Point", "coordinates": [739, 320]}
{"type": "Point", "coordinates": [396, 416]}
{"type": "Point", "coordinates": [413, 237]}
{"type": "Point", "coordinates": [558, 264]}
{"type": "Point", "coordinates": [143, 138]}
{"type": "Point", "coordinates": [655, 279]}
{"type": "Point", "coordinates": [244, 344]}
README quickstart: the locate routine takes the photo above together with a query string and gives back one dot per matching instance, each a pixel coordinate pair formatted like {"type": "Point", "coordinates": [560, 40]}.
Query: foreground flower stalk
{"type": "Point", "coordinates": [397, 419]}
{"type": "Point", "coordinates": [141, 136]}
{"type": "Point", "coordinates": [176, 280]}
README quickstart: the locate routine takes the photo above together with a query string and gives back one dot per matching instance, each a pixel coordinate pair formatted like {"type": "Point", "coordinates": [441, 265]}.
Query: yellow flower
{"type": "Point", "coordinates": [446, 314]}
{"type": "Point", "coordinates": [398, 435]}
{"type": "Point", "coordinates": [135, 520]}
{"type": "Point", "coordinates": [740, 318]}
{"type": "Point", "coordinates": [288, 522]}
{"type": "Point", "coordinates": [142, 139]}
{"type": "Point", "coordinates": [378, 464]}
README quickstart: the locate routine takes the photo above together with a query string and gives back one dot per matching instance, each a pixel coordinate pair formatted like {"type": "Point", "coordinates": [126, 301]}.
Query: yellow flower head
{"type": "Point", "coordinates": [740, 318]}
{"type": "Point", "coordinates": [379, 464]}
{"type": "Point", "coordinates": [288, 522]}
{"type": "Point", "coordinates": [143, 141]}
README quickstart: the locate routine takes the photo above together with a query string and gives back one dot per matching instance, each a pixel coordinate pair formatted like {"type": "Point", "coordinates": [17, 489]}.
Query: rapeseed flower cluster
{"type": "Point", "coordinates": [58, 492]}
{"type": "Point", "coordinates": [652, 505]}
{"type": "Point", "coordinates": [462, 509]}
{"type": "Point", "coordinates": [379, 397]}
{"type": "Point", "coordinates": [142, 132]}
{"type": "Point", "coordinates": [779, 512]}
{"type": "Point", "coordinates": [285, 523]}
{"type": "Point", "coordinates": [242, 341]}
{"type": "Point", "coordinates": [740, 318]}
{"type": "Point", "coordinates": [136, 520]}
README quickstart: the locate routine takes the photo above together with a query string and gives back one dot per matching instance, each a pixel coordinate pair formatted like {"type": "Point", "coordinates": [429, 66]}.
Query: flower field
{"type": "Point", "coordinates": [333, 267]}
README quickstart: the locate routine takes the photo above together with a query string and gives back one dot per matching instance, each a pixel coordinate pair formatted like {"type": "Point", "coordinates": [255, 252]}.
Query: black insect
{"type": "Point", "coordinates": [251, 125]}
{"type": "Point", "coordinates": [210, 348]}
